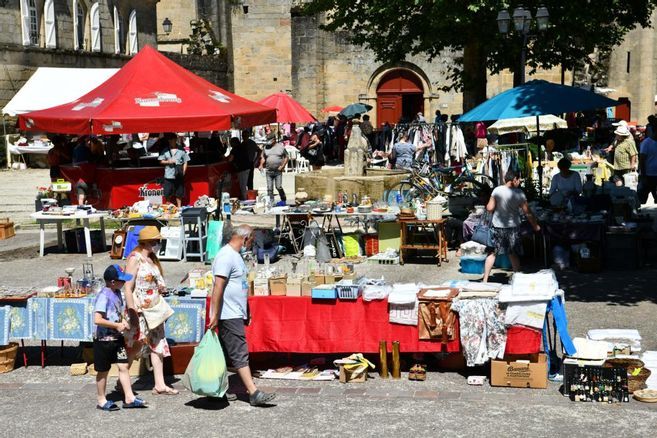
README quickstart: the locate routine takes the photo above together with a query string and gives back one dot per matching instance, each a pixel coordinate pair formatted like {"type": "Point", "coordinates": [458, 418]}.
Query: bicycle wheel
{"type": "Point", "coordinates": [407, 190]}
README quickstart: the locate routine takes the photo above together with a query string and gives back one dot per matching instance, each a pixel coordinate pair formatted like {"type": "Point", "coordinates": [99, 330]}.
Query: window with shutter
{"type": "Point", "coordinates": [34, 23]}
{"type": "Point", "coordinates": [95, 28]}
{"type": "Point", "coordinates": [133, 45]}
{"type": "Point", "coordinates": [79, 22]}
{"type": "Point", "coordinates": [25, 22]}
{"type": "Point", "coordinates": [51, 25]}
{"type": "Point", "coordinates": [118, 31]}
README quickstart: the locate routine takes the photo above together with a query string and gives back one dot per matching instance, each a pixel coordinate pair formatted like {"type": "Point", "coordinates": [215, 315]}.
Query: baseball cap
{"type": "Point", "coordinates": [114, 272]}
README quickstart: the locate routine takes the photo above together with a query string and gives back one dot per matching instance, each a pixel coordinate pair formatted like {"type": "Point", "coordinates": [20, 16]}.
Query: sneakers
{"type": "Point", "coordinates": [260, 398]}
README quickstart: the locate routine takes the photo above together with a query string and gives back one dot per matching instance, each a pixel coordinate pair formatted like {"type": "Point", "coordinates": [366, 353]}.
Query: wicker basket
{"type": "Point", "coordinates": [8, 357]}
{"type": "Point", "coordinates": [634, 383]}
{"type": "Point", "coordinates": [434, 210]}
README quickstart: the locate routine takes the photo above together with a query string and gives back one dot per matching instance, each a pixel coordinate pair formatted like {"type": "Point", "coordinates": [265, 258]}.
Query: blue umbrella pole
{"type": "Point", "coordinates": [540, 164]}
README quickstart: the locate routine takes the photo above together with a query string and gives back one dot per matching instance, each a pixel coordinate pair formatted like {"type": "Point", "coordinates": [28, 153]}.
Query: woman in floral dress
{"type": "Point", "coordinates": [140, 292]}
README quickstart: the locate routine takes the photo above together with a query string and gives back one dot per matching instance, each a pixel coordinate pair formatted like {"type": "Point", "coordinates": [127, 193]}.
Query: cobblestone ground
{"type": "Point", "coordinates": [50, 402]}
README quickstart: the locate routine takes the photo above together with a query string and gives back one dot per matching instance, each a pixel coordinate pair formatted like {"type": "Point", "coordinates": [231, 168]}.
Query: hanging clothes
{"type": "Point", "coordinates": [483, 333]}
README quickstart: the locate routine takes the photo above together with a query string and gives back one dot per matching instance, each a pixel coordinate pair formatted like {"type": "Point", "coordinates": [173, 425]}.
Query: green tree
{"type": "Point", "coordinates": [395, 29]}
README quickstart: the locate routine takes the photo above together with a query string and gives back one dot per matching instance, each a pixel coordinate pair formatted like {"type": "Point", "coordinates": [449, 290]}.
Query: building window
{"type": "Point", "coordinates": [51, 25]}
{"type": "Point", "coordinates": [118, 32]}
{"type": "Point", "coordinates": [34, 23]}
{"type": "Point", "coordinates": [133, 44]}
{"type": "Point", "coordinates": [79, 22]}
{"type": "Point", "coordinates": [29, 23]}
{"type": "Point", "coordinates": [95, 28]}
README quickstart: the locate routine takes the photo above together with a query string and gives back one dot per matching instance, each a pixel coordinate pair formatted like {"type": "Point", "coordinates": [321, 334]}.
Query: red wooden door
{"type": "Point", "coordinates": [389, 109]}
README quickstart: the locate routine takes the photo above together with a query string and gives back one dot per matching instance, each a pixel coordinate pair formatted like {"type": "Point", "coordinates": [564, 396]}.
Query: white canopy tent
{"type": "Point", "coordinates": [48, 87]}
{"type": "Point", "coordinates": [52, 86]}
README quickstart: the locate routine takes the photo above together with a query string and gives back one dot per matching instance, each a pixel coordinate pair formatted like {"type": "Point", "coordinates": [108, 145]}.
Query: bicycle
{"type": "Point", "coordinates": [428, 181]}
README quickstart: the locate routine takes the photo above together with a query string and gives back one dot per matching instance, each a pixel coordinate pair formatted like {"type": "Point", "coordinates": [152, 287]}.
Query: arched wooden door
{"type": "Point", "coordinates": [399, 97]}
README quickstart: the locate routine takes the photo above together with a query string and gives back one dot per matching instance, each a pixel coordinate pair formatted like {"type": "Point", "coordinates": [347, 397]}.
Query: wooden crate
{"type": "Point", "coordinates": [6, 228]}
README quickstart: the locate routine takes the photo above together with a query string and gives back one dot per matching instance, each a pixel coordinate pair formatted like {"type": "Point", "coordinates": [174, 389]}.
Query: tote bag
{"type": "Point", "coordinates": [483, 232]}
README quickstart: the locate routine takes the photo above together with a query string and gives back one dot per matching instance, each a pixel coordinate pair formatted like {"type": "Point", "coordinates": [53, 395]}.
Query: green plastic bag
{"type": "Point", "coordinates": [206, 373]}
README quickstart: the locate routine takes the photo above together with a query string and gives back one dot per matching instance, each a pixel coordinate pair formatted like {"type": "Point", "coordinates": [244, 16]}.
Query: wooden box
{"type": "Point", "coordinates": [348, 377]}
{"type": "Point", "coordinates": [6, 228]}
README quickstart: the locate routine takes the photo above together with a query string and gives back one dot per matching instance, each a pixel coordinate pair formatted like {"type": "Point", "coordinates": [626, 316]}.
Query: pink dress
{"type": "Point", "coordinates": [147, 283]}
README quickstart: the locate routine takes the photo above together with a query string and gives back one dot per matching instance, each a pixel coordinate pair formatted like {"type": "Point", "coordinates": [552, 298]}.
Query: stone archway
{"type": "Point", "coordinates": [399, 91]}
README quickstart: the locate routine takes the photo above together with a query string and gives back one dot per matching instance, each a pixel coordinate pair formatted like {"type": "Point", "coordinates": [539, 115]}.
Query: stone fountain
{"type": "Point", "coordinates": [354, 178]}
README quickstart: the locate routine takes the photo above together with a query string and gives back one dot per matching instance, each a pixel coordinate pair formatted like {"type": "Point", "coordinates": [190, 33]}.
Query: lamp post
{"type": "Point", "coordinates": [522, 21]}
{"type": "Point", "coordinates": [167, 25]}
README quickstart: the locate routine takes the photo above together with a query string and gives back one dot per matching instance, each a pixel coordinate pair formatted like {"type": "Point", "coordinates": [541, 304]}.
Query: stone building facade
{"type": "Point", "coordinates": [273, 47]}
{"type": "Point", "coordinates": [70, 33]}
{"type": "Point", "coordinates": [633, 72]}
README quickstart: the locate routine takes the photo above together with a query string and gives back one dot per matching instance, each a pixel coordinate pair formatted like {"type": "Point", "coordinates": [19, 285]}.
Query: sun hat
{"type": "Point", "coordinates": [149, 233]}
{"type": "Point", "coordinates": [622, 130]}
{"type": "Point", "coordinates": [114, 272]}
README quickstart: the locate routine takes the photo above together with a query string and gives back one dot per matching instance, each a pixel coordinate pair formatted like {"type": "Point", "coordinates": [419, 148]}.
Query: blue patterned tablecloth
{"type": "Point", "coordinates": [71, 319]}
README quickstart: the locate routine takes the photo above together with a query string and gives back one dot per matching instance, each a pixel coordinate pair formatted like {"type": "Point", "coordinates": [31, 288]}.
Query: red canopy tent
{"type": "Point", "coordinates": [150, 93]}
{"type": "Point", "coordinates": [288, 110]}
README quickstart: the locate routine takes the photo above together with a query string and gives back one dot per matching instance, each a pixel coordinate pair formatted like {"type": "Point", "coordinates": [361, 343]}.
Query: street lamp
{"type": "Point", "coordinates": [522, 21]}
{"type": "Point", "coordinates": [167, 25]}
{"type": "Point", "coordinates": [503, 21]}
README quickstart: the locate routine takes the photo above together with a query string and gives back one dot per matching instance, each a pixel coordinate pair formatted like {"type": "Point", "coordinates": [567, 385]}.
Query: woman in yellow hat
{"type": "Point", "coordinates": [140, 292]}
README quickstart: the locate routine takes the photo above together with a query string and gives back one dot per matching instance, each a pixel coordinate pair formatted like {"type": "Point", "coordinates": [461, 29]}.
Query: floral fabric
{"type": "Point", "coordinates": [483, 333]}
{"type": "Point", "coordinates": [148, 283]}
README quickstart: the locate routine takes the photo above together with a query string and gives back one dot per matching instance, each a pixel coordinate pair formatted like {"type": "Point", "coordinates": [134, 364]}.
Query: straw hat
{"type": "Point", "coordinates": [149, 233]}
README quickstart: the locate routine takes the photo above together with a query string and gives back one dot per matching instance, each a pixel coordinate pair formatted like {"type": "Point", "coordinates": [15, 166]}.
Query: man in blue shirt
{"type": "Point", "coordinates": [648, 168]}
{"type": "Point", "coordinates": [229, 308]}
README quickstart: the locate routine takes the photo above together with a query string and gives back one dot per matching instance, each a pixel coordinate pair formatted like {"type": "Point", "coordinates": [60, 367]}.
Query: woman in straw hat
{"type": "Point", "coordinates": [144, 288]}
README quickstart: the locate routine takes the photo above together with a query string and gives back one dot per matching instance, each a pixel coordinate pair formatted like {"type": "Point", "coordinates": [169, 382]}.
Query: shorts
{"type": "Point", "coordinates": [507, 241]}
{"type": "Point", "coordinates": [233, 340]}
{"type": "Point", "coordinates": [174, 188]}
{"type": "Point", "coordinates": [108, 352]}
{"type": "Point", "coordinates": [82, 188]}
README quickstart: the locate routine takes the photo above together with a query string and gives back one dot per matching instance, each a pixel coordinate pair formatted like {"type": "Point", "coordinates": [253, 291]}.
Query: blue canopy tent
{"type": "Point", "coordinates": [537, 98]}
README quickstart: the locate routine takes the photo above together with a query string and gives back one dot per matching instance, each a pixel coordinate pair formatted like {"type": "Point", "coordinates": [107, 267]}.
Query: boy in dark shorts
{"type": "Point", "coordinates": [109, 345]}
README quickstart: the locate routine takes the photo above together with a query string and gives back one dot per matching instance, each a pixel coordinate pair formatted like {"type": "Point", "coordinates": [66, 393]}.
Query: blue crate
{"type": "Point", "coordinates": [473, 264]}
{"type": "Point", "coordinates": [324, 292]}
{"type": "Point", "coordinates": [502, 261]}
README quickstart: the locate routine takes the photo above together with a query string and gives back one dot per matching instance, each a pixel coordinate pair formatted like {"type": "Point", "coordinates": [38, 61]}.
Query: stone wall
{"type": "Point", "coordinates": [212, 68]}
{"type": "Point", "coordinates": [639, 84]}
{"type": "Point", "coordinates": [260, 43]}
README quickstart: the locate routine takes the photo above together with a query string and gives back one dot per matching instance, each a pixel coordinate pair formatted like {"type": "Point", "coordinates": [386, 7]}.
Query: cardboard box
{"type": "Point", "coordinates": [294, 287]}
{"type": "Point", "coordinates": [260, 287]}
{"type": "Point", "coordinates": [347, 376]}
{"type": "Point", "coordinates": [278, 286]}
{"type": "Point", "coordinates": [510, 372]}
{"type": "Point", "coordinates": [306, 287]}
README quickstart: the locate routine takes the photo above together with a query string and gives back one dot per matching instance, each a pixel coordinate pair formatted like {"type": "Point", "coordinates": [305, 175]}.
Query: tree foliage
{"type": "Point", "coordinates": [395, 29]}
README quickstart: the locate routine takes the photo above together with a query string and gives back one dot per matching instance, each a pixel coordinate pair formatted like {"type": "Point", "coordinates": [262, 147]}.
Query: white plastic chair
{"type": "Point", "coordinates": [293, 156]}
{"type": "Point", "coordinates": [302, 165]}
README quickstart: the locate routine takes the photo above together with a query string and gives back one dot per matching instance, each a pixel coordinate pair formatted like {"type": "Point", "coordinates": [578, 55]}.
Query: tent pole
{"type": "Point", "coordinates": [540, 164]}
{"type": "Point", "coordinates": [4, 132]}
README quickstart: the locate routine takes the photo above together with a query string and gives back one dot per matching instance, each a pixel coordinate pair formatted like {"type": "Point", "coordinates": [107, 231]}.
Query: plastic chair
{"type": "Point", "coordinates": [293, 155]}
{"type": "Point", "coordinates": [302, 165]}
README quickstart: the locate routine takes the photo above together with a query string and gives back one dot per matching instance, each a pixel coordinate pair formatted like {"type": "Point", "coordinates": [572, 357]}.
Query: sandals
{"type": "Point", "coordinates": [109, 406]}
{"type": "Point", "coordinates": [168, 391]}
{"type": "Point", "coordinates": [418, 372]}
{"type": "Point", "coordinates": [136, 404]}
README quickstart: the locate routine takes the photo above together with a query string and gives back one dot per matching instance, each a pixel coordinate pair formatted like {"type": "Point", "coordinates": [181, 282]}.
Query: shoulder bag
{"type": "Point", "coordinates": [483, 231]}
{"type": "Point", "coordinates": [157, 313]}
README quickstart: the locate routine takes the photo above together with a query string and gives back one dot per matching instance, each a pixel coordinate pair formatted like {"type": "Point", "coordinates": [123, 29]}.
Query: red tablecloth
{"type": "Point", "coordinates": [302, 325]}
